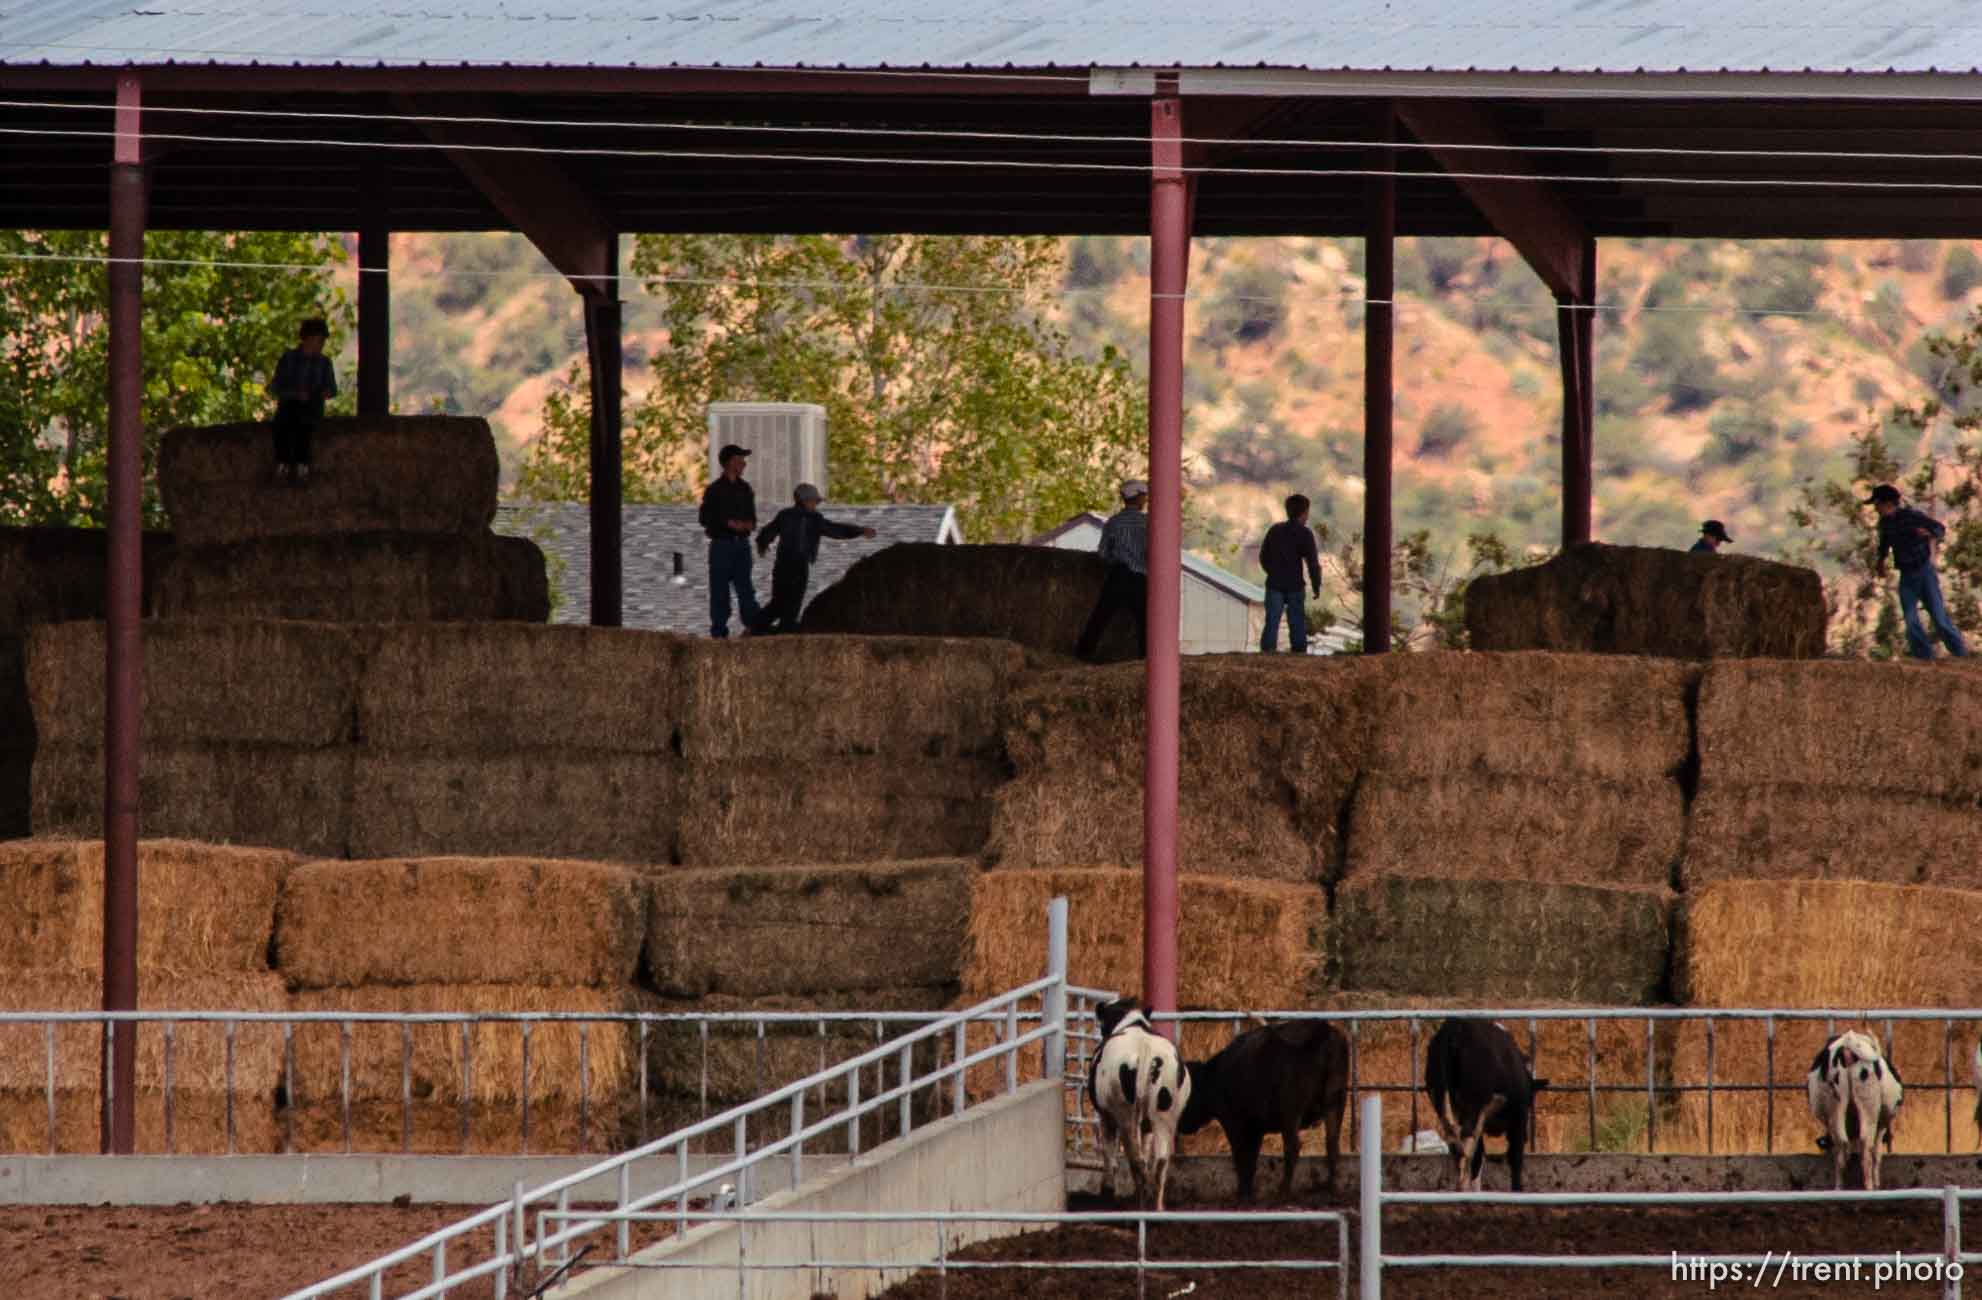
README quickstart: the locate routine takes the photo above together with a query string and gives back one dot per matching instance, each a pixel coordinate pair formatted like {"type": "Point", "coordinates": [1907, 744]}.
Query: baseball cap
{"type": "Point", "coordinates": [1715, 528]}
{"type": "Point", "coordinates": [1883, 492]}
{"type": "Point", "coordinates": [722, 457]}
{"type": "Point", "coordinates": [1134, 488]}
{"type": "Point", "coordinates": [806, 492]}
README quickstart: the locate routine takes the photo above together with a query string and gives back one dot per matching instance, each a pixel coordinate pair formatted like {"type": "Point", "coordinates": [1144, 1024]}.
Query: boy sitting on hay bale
{"type": "Point", "coordinates": [797, 529]}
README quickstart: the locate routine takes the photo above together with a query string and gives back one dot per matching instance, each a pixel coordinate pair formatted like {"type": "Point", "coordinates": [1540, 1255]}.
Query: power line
{"type": "Point", "coordinates": [1040, 137]}
{"type": "Point", "coordinates": [1024, 164]}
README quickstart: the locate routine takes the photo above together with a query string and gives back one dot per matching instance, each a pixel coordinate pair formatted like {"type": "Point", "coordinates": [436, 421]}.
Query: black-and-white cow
{"type": "Point", "coordinates": [1480, 1087]}
{"type": "Point", "coordinates": [1278, 1078]}
{"type": "Point", "coordinates": [1855, 1093]}
{"type": "Point", "coordinates": [1138, 1088]}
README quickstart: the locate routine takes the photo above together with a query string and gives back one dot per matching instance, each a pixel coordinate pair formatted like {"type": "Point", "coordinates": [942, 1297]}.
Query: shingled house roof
{"type": "Point", "coordinates": [651, 537]}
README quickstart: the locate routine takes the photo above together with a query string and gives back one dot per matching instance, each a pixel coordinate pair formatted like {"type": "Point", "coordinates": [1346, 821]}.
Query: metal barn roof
{"type": "Point", "coordinates": [1538, 36]}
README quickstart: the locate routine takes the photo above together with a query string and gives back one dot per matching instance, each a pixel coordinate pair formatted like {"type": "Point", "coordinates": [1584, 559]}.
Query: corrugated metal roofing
{"type": "Point", "coordinates": [1481, 36]}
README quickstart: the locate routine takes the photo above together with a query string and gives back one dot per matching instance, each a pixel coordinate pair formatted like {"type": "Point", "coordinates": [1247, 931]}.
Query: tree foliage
{"type": "Point", "coordinates": [971, 398]}
{"type": "Point", "coordinates": [1427, 586]}
{"type": "Point", "coordinates": [212, 334]}
{"type": "Point", "coordinates": [1940, 474]}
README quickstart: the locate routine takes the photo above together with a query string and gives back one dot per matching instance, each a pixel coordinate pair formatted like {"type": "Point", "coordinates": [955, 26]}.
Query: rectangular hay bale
{"type": "Point", "coordinates": [296, 799]}
{"type": "Point", "coordinates": [494, 1066]}
{"type": "Point", "coordinates": [477, 688]}
{"type": "Point", "coordinates": [1052, 821]}
{"type": "Point", "coordinates": [821, 698]}
{"type": "Point", "coordinates": [202, 908]}
{"type": "Point", "coordinates": [1828, 943]}
{"type": "Point", "coordinates": [1793, 832]}
{"type": "Point", "coordinates": [840, 928]}
{"type": "Point", "coordinates": [1242, 944]}
{"type": "Point", "coordinates": [843, 810]}
{"type": "Point", "coordinates": [1481, 827]}
{"type": "Point", "coordinates": [461, 920]}
{"type": "Point", "coordinates": [1547, 717]}
{"type": "Point", "coordinates": [1493, 939]}
{"type": "Point", "coordinates": [593, 804]}
{"type": "Point", "coordinates": [205, 682]}
{"type": "Point", "coordinates": [358, 578]}
{"type": "Point", "coordinates": [1764, 724]}
{"type": "Point", "coordinates": [199, 1123]}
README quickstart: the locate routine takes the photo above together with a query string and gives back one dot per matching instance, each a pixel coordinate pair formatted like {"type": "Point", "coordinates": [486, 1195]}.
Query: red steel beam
{"type": "Point", "coordinates": [603, 356]}
{"type": "Point", "coordinates": [1379, 247]}
{"type": "Point", "coordinates": [124, 647]}
{"type": "Point", "coordinates": [1169, 265]}
{"type": "Point", "coordinates": [1527, 213]}
{"type": "Point", "coordinates": [535, 196]}
{"type": "Point", "coordinates": [1576, 329]}
{"type": "Point", "coordinates": [375, 288]}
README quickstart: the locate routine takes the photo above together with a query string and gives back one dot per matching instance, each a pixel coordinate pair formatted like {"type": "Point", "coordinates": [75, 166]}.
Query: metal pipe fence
{"type": "Point", "coordinates": [1616, 1115]}
{"type": "Point", "coordinates": [456, 1253]}
{"type": "Point", "coordinates": [1946, 1266]}
{"type": "Point", "coordinates": [944, 1262]}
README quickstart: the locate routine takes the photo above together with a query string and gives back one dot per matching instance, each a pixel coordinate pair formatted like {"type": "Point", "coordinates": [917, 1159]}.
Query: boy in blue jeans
{"type": "Point", "coordinates": [1910, 537]}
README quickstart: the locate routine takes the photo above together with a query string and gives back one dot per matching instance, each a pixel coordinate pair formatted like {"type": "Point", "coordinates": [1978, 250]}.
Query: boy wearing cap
{"type": "Point", "coordinates": [1910, 537]}
{"type": "Point", "coordinates": [1289, 547]}
{"type": "Point", "coordinates": [303, 378]}
{"type": "Point", "coordinates": [1125, 545]}
{"type": "Point", "coordinates": [797, 529]}
{"type": "Point", "coordinates": [729, 516]}
{"type": "Point", "coordinates": [1713, 536]}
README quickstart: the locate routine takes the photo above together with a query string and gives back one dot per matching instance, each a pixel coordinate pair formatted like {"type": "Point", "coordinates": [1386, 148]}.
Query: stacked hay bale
{"type": "Point", "coordinates": [483, 936]}
{"type": "Point", "coordinates": [1268, 754]}
{"type": "Point", "coordinates": [1543, 767]}
{"type": "Point", "coordinates": [852, 937]}
{"type": "Point", "coordinates": [1642, 600]}
{"type": "Point", "coordinates": [246, 729]}
{"type": "Point", "coordinates": [393, 526]}
{"type": "Point", "coordinates": [1037, 596]}
{"type": "Point", "coordinates": [205, 914]}
{"type": "Point", "coordinates": [1826, 944]}
{"type": "Point", "coordinates": [497, 739]}
{"type": "Point", "coordinates": [1838, 770]}
{"type": "Point", "coordinates": [47, 575]}
{"type": "Point", "coordinates": [814, 750]}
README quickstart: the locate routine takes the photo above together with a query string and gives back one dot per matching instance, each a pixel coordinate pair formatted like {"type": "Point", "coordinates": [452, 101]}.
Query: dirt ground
{"type": "Point", "coordinates": [202, 1252]}
{"type": "Point", "coordinates": [1473, 1230]}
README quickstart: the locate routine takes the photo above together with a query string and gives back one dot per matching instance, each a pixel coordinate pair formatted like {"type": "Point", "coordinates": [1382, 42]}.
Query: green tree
{"type": "Point", "coordinates": [1427, 586]}
{"type": "Point", "coordinates": [212, 334]}
{"type": "Point", "coordinates": [971, 398]}
{"type": "Point", "coordinates": [1838, 533]}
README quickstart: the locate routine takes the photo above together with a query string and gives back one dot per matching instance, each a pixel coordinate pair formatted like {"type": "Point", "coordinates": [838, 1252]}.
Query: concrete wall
{"type": "Point", "coordinates": [317, 1179]}
{"type": "Point", "coordinates": [1004, 1155]}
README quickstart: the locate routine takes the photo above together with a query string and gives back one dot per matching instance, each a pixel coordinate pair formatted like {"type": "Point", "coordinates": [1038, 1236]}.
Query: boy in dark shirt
{"type": "Point", "coordinates": [797, 530]}
{"type": "Point", "coordinates": [1289, 547]}
{"type": "Point", "coordinates": [1910, 537]}
{"type": "Point", "coordinates": [303, 379]}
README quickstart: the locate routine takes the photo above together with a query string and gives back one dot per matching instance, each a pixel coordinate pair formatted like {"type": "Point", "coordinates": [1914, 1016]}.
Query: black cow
{"type": "Point", "coordinates": [1475, 1064]}
{"type": "Point", "coordinates": [1278, 1078]}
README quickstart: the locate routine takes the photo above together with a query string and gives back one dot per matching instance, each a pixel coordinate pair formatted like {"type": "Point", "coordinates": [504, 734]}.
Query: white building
{"type": "Point", "coordinates": [1222, 613]}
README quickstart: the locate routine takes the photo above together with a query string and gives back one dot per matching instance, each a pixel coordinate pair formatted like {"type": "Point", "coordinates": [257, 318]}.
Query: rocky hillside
{"type": "Point", "coordinates": [1727, 373]}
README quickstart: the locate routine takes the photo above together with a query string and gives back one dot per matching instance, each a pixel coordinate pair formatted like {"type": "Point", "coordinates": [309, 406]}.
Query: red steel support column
{"type": "Point", "coordinates": [1169, 265]}
{"type": "Point", "coordinates": [375, 291]}
{"type": "Point", "coordinates": [1380, 234]}
{"type": "Point", "coordinates": [603, 351]}
{"type": "Point", "coordinates": [124, 666]}
{"type": "Point", "coordinates": [1576, 330]}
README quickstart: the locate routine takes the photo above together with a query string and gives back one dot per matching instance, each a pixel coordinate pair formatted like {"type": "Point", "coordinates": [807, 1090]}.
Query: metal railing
{"type": "Point", "coordinates": [838, 1035]}
{"type": "Point", "coordinates": [945, 1261]}
{"type": "Point", "coordinates": [1779, 1072]}
{"type": "Point", "coordinates": [1945, 1266]}
{"type": "Point", "coordinates": [507, 1224]}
